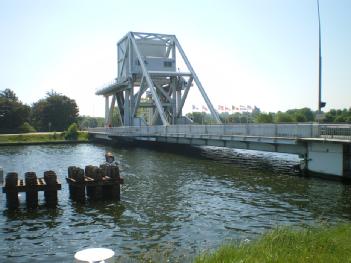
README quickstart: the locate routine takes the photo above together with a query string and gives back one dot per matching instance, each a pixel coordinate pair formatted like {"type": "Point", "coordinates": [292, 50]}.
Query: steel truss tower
{"type": "Point", "coordinates": [147, 66]}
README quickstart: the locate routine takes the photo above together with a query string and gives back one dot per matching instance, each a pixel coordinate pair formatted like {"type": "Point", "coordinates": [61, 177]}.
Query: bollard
{"type": "Point", "coordinates": [11, 181]}
{"type": "Point", "coordinates": [50, 194]}
{"type": "Point", "coordinates": [30, 179]}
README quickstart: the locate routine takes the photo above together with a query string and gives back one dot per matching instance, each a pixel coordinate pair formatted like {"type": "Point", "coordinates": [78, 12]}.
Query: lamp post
{"type": "Point", "coordinates": [320, 103]}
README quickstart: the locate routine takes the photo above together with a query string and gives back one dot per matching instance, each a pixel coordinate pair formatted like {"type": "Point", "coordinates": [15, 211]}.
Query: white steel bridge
{"type": "Point", "coordinates": [323, 148]}
{"type": "Point", "coordinates": [154, 77]}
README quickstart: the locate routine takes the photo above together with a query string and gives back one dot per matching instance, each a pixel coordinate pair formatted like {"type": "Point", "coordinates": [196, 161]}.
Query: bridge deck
{"type": "Point", "coordinates": [273, 131]}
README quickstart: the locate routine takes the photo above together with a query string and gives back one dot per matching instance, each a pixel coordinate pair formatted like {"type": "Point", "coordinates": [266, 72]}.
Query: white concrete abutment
{"type": "Point", "coordinates": [328, 157]}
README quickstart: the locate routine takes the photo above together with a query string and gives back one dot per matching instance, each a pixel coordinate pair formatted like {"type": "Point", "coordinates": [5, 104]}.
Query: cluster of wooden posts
{"type": "Point", "coordinates": [97, 183]}
{"type": "Point", "coordinates": [31, 185]}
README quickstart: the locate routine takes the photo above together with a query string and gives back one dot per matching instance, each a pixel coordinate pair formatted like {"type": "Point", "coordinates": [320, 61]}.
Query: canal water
{"type": "Point", "coordinates": [174, 204]}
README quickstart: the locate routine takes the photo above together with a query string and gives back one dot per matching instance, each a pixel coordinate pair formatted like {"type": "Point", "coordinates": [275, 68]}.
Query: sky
{"type": "Point", "coordinates": [260, 53]}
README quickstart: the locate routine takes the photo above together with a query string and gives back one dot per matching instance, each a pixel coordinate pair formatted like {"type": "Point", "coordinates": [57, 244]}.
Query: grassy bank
{"type": "Point", "coordinates": [32, 138]}
{"type": "Point", "coordinates": [323, 244]}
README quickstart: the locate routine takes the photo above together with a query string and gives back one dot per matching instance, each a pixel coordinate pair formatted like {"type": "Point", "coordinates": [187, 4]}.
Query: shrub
{"type": "Point", "coordinates": [72, 132]}
{"type": "Point", "coordinates": [26, 128]}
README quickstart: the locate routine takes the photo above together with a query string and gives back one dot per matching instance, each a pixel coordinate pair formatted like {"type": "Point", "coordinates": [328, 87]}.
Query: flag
{"type": "Point", "coordinates": [243, 108]}
{"type": "Point", "coordinates": [195, 108]}
{"type": "Point", "coordinates": [233, 108]}
{"type": "Point", "coordinates": [204, 108]}
{"type": "Point", "coordinates": [227, 108]}
{"type": "Point", "coordinates": [220, 108]}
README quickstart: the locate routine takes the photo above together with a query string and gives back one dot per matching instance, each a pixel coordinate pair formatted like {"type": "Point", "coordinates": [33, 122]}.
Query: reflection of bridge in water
{"type": "Point", "coordinates": [324, 148]}
{"type": "Point", "coordinates": [153, 80]}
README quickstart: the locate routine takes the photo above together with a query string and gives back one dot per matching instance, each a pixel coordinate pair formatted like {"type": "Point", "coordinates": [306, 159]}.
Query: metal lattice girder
{"type": "Point", "coordinates": [197, 81]}
{"type": "Point", "coordinates": [149, 81]}
{"type": "Point", "coordinates": [147, 65]}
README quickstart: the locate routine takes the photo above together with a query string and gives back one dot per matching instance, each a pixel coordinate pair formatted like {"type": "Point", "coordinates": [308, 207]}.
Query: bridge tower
{"type": "Point", "coordinates": [149, 82]}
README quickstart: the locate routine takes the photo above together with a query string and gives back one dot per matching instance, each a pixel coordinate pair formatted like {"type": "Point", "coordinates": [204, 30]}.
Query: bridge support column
{"type": "Point", "coordinates": [107, 110]}
{"type": "Point", "coordinates": [328, 158]}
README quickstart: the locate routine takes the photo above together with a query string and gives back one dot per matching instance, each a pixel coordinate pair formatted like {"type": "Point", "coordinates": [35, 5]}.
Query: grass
{"type": "Point", "coordinates": [39, 137]}
{"type": "Point", "coordinates": [322, 244]}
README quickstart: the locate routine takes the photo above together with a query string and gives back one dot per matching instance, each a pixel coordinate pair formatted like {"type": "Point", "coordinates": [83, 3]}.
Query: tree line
{"type": "Point", "coordinates": [54, 112]}
{"type": "Point", "coordinates": [292, 115]}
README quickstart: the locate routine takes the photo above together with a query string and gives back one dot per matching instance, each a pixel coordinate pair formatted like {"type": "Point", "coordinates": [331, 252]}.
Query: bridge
{"type": "Point", "coordinates": [323, 148]}
{"type": "Point", "coordinates": [150, 91]}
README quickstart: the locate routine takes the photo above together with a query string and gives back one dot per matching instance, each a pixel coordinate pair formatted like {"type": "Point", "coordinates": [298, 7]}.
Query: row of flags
{"type": "Point", "coordinates": [224, 108]}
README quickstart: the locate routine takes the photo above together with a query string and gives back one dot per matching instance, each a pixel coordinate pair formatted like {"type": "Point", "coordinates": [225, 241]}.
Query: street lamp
{"type": "Point", "coordinates": [320, 103]}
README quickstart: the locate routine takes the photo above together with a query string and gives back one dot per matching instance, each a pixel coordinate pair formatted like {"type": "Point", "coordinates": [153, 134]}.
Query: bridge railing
{"type": "Point", "coordinates": [262, 130]}
{"type": "Point", "coordinates": [335, 131]}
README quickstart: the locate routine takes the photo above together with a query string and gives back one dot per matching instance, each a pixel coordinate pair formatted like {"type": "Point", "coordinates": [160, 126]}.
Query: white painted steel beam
{"type": "Point", "coordinates": [197, 81]}
{"type": "Point", "coordinates": [149, 81]}
{"type": "Point", "coordinates": [148, 60]}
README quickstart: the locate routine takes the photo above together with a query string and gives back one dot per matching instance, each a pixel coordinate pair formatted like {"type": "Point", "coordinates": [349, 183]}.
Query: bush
{"type": "Point", "coordinates": [72, 132]}
{"type": "Point", "coordinates": [26, 128]}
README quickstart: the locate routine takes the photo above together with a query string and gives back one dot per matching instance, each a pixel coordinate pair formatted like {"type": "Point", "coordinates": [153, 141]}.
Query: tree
{"type": "Point", "coordinates": [301, 115]}
{"type": "Point", "coordinates": [26, 128]}
{"type": "Point", "coordinates": [264, 118]}
{"type": "Point", "coordinates": [200, 117]}
{"type": "Point", "coordinates": [13, 113]}
{"type": "Point", "coordinates": [85, 122]}
{"type": "Point", "coordinates": [9, 95]}
{"type": "Point", "coordinates": [338, 116]}
{"type": "Point", "coordinates": [283, 117]}
{"type": "Point", "coordinates": [54, 113]}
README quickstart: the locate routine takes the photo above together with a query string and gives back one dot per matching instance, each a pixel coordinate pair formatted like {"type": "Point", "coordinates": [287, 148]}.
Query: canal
{"type": "Point", "coordinates": [176, 203]}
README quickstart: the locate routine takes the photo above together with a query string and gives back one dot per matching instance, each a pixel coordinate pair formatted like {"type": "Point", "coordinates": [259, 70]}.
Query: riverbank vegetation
{"type": "Point", "coordinates": [53, 113]}
{"type": "Point", "coordinates": [56, 112]}
{"type": "Point", "coordinates": [46, 137]}
{"type": "Point", "coordinates": [321, 244]}
{"type": "Point", "coordinates": [255, 115]}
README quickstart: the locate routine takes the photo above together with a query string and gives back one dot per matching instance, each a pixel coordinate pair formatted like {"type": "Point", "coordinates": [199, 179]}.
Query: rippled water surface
{"type": "Point", "coordinates": [173, 203]}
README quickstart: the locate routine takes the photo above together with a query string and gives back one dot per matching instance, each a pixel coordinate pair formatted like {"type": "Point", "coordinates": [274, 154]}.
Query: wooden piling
{"type": "Point", "coordinates": [100, 183]}
{"type": "Point", "coordinates": [77, 189]}
{"type": "Point", "coordinates": [94, 192]}
{"type": "Point", "coordinates": [11, 182]}
{"type": "Point", "coordinates": [50, 194]}
{"type": "Point", "coordinates": [31, 185]}
{"type": "Point", "coordinates": [30, 179]}
{"type": "Point", "coordinates": [113, 189]}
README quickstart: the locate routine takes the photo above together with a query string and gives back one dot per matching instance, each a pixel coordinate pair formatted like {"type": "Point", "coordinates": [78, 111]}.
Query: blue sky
{"type": "Point", "coordinates": [245, 52]}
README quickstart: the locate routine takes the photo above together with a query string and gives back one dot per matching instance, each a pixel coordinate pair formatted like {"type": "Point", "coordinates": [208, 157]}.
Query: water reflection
{"type": "Point", "coordinates": [178, 203]}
